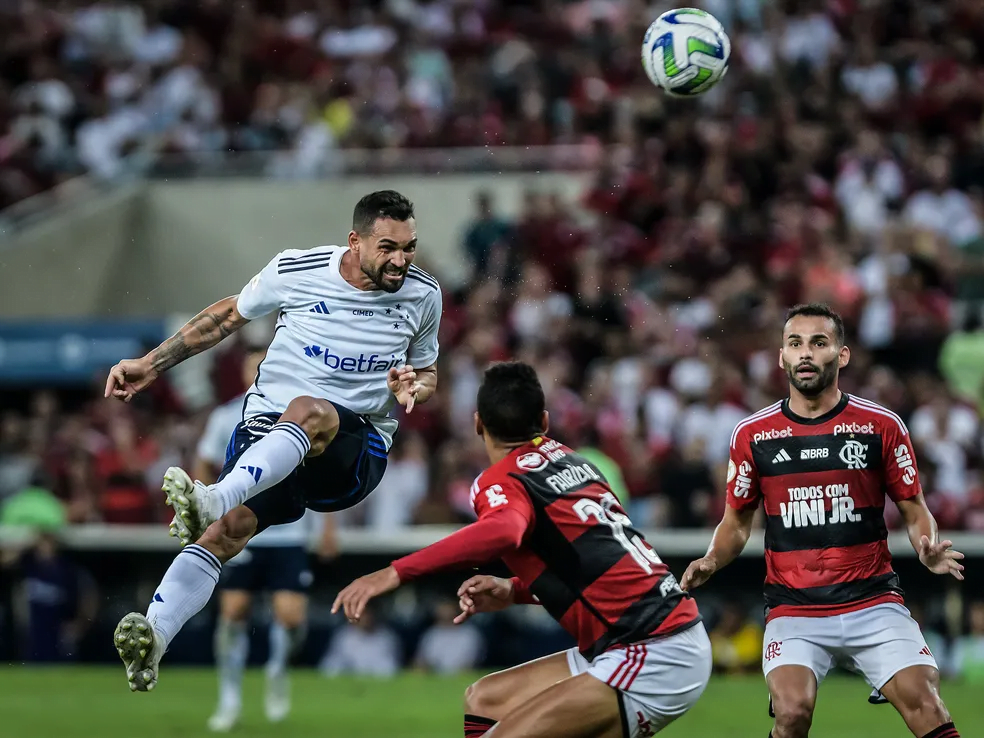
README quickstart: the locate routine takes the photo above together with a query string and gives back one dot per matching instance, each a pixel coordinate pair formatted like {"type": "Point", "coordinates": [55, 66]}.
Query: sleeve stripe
{"type": "Point", "coordinates": [760, 415]}
{"type": "Point", "coordinates": [874, 407]}
{"type": "Point", "coordinates": [294, 260]}
{"type": "Point", "coordinates": [433, 285]}
{"type": "Point", "coordinates": [421, 273]}
{"type": "Point", "coordinates": [304, 268]}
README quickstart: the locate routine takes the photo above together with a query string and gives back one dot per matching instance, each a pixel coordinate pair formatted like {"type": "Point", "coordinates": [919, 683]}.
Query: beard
{"type": "Point", "coordinates": [814, 384]}
{"type": "Point", "coordinates": [376, 274]}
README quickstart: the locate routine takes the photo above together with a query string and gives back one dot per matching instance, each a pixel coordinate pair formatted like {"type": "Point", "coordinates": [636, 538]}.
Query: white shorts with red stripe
{"type": "Point", "coordinates": [657, 680]}
{"type": "Point", "coordinates": [877, 642]}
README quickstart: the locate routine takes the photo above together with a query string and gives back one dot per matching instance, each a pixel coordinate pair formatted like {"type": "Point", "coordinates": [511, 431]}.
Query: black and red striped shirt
{"type": "Point", "coordinates": [556, 524]}
{"type": "Point", "coordinates": [823, 482]}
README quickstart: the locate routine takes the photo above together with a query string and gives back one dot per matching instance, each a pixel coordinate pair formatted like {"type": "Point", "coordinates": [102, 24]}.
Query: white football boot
{"type": "Point", "coordinates": [277, 704]}
{"type": "Point", "coordinates": [226, 717]}
{"type": "Point", "coordinates": [190, 503]}
{"type": "Point", "coordinates": [141, 650]}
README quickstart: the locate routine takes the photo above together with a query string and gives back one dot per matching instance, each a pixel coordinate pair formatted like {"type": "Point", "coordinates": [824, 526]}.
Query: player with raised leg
{"type": "Point", "coordinates": [643, 657]}
{"type": "Point", "coordinates": [274, 561]}
{"type": "Point", "coordinates": [353, 323]}
{"type": "Point", "coordinates": [822, 462]}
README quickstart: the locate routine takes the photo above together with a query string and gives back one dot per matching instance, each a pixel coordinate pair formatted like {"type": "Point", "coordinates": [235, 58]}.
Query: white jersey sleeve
{"type": "Point", "coordinates": [424, 345]}
{"type": "Point", "coordinates": [269, 290]}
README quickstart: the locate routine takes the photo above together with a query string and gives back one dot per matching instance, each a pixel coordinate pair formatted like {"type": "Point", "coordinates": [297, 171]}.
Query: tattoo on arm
{"type": "Point", "coordinates": [202, 332]}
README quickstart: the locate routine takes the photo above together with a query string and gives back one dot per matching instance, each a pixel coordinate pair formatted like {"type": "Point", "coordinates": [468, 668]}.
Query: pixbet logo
{"type": "Point", "coordinates": [770, 434]}
{"type": "Point", "coordinates": [854, 428]}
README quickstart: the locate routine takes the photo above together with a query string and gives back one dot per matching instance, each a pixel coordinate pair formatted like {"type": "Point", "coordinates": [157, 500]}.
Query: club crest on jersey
{"type": "Point", "coordinates": [531, 462]}
{"type": "Point", "coordinates": [768, 435]}
{"type": "Point", "coordinates": [854, 454]}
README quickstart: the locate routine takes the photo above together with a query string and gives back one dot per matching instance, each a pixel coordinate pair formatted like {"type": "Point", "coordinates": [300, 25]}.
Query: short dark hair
{"type": "Point", "coordinates": [511, 402]}
{"type": "Point", "coordinates": [381, 204]}
{"type": "Point", "coordinates": [819, 310]}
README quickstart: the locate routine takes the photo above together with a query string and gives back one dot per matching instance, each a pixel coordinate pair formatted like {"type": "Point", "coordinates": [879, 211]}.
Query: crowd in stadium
{"type": "Point", "coordinates": [809, 175]}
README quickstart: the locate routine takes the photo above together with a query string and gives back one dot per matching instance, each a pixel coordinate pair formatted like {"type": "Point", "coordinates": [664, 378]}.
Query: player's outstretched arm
{"type": "Point", "coordinates": [936, 555]}
{"type": "Point", "coordinates": [202, 332]}
{"type": "Point", "coordinates": [729, 540]}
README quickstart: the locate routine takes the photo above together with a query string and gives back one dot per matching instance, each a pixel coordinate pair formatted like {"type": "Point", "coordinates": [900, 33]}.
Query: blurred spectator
{"type": "Point", "coordinates": [736, 642]}
{"type": "Point", "coordinates": [446, 648]}
{"type": "Point", "coordinates": [365, 648]}
{"type": "Point", "coordinates": [968, 650]}
{"type": "Point", "coordinates": [59, 599]}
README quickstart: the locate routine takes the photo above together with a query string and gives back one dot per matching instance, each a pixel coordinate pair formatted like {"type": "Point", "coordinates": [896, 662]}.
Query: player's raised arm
{"type": "Point", "coordinates": [206, 329]}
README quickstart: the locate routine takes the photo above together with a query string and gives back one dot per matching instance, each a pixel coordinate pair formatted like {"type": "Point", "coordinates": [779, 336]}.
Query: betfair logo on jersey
{"type": "Point", "coordinates": [904, 459]}
{"type": "Point", "coordinates": [743, 481]}
{"type": "Point", "coordinates": [571, 477]}
{"type": "Point", "coordinates": [768, 435]}
{"type": "Point", "coordinates": [806, 506]}
{"type": "Point", "coordinates": [360, 364]}
{"type": "Point", "coordinates": [854, 428]}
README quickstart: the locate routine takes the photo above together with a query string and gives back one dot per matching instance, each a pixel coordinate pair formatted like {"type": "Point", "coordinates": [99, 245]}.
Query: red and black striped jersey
{"type": "Point", "coordinates": [823, 482]}
{"type": "Point", "coordinates": [581, 558]}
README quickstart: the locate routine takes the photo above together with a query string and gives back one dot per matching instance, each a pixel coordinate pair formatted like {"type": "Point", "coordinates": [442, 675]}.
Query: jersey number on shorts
{"type": "Point", "coordinates": [640, 551]}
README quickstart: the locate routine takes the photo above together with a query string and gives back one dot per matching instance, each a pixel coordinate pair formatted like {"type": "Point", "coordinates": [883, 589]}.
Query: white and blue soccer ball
{"type": "Point", "coordinates": [686, 52]}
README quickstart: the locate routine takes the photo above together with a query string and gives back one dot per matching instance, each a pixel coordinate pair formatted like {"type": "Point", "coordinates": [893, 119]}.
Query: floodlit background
{"type": "Point", "coordinates": [640, 251]}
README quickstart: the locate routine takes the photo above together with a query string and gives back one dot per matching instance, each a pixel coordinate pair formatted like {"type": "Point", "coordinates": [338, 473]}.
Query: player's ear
{"type": "Point", "coordinates": [545, 422]}
{"type": "Point", "coordinates": [781, 365]}
{"type": "Point", "coordinates": [354, 241]}
{"type": "Point", "coordinates": [844, 357]}
{"type": "Point", "coordinates": [479, 428]}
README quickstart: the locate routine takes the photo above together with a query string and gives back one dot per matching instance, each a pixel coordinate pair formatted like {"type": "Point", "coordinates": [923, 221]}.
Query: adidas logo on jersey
{"type": "Point", "coordinates": [320, 308]}
{"type": "Point", "coordinates": [781, 457]}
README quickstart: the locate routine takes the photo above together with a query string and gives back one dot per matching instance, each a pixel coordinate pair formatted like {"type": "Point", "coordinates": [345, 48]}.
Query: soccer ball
{"type": "Point", "coordinates": [685, 52]}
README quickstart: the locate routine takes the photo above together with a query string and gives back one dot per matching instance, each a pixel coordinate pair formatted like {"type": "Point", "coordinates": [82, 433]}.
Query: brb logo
{"type": "Point", "coordinates": [360, 364]}
{"type": "Point", "coordinates": [854, 454]}
{"type": "Point", "coordinates": [773, 649]}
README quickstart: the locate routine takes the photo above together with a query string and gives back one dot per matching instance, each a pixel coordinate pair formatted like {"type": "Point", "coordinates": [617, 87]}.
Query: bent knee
{"type": "Point", "coordinates": [318, 419]}
{"type": "Point", "coordinates": [229, 535]}
{"type": "Point", "coordinates": [925, 709]}
{"type": "Point", "coordinates": [794, 715]}
{"type": "Point", "coordinates": [482, 698]}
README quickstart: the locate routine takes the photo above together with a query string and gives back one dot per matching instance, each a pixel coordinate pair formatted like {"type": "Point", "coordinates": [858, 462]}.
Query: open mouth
{"type": "Point", "coordinates": [806, 372]}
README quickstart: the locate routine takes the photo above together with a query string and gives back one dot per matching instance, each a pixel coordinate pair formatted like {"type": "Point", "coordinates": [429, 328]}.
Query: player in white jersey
{"type": "Point", "coordinates": [274, 561]}
{"type": "Point", "coordinates": [356, 333]}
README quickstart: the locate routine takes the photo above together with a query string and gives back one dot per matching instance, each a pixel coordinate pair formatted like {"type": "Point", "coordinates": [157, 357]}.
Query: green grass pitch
{"type": "Point", "coordinates": [94, 702]}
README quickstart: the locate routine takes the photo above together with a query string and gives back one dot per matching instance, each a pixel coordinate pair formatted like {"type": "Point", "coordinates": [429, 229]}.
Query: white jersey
{"type": "Point", "coordinates": [212, 448]}
{"type": "Point", "coordinates": [334, 340]}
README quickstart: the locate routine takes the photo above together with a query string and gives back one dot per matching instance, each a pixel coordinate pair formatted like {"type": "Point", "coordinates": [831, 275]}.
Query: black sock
{"type": "Point", "coordinates": [944, 731]}
{"type": "Point", "coordinates": [476, 726]}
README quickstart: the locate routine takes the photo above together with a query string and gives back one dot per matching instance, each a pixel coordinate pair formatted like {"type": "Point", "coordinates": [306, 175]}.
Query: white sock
{"type": "Point", "coordinates": [283, 643]}
{"type": "Point", "coordinates": [231, 652]}
{"type": "Point", "coordinates": [185, 589]}
{"type": "Point", "coordinates": [264, 464]}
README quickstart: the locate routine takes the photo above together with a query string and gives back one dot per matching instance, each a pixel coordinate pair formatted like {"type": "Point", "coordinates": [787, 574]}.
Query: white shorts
{"type": "Point", "coordinates": [877, 642]}
{"type": "Point", "coordinates": [657, 680]}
